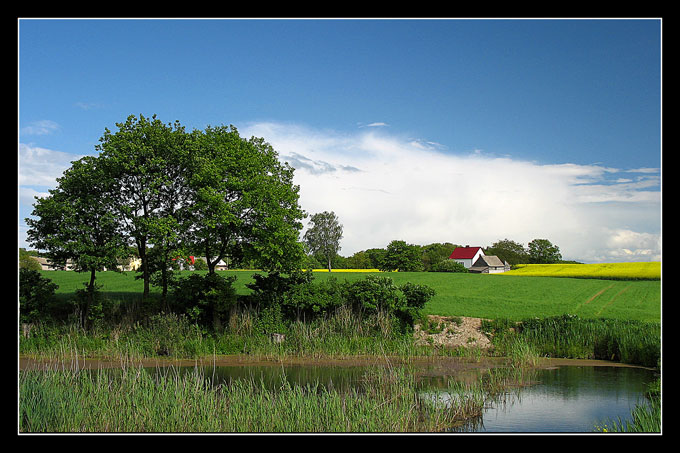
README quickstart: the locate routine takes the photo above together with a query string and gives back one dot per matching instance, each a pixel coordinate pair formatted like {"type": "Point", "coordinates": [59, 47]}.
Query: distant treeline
{"type": "Point", "coordinates": [411, 257]}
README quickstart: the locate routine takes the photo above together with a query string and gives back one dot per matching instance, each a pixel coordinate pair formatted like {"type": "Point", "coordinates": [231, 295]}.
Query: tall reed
{"type": "Point", "coordinates": [569, 336]}
{"type": "Point", "coordinates": [135, 400]}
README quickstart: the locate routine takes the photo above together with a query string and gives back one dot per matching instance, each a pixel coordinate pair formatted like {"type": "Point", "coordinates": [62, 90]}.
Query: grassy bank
{"type": "Point", "coordinates": [632, 342]}
{"type": "Point", "coordinates": [170, 335]}
{"type": "Point", "coordinates": [344, 335]}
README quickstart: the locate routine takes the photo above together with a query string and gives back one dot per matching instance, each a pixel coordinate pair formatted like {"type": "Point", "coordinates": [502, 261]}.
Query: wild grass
{"type": "Point", "coordinates": [568, 336]}
{"type": "Point", "coordinates": [340, 334]}
{"type": "Point", "coordinates": [136, 400]}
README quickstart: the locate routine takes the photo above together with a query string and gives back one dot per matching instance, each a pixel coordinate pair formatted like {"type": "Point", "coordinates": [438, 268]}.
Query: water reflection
{"type": "Point", "coordinates": [563, 399]}
{"type": "Point", "coordinates": [567, 399]}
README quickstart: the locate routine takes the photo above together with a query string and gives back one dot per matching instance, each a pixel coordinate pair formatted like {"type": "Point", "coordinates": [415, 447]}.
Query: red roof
{"type": "Point", "coordinates": [464, 253]}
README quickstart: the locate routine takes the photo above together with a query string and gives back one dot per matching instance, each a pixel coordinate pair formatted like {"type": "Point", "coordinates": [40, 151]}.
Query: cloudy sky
{"type": "Point", "coordinates": [441, 130]}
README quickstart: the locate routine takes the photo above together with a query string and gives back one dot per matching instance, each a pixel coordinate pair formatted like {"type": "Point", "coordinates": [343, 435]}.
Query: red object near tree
{"type": "Point", "coordinates": [191, 259]}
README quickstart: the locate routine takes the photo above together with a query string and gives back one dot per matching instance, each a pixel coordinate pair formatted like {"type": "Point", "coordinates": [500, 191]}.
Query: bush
{"type": "Point", "coordinates": [416, 296]}
{"type": "Point", "coordinates": [90, 305]}
{"type": "Point", "coordinates": [36, 296]}
{"type": "Point", "coordinates": [270, 289]}
{"type": "Point", "coordinates": [448, 265]}
{"type": "Point", "coordinates": [206, 299]}
{"type": "Point", "coordinates": [311, 299]}
{"type": "Point", "coordinates": [374, 293]}
{"type": "Point", "coordinates": [270, 320]}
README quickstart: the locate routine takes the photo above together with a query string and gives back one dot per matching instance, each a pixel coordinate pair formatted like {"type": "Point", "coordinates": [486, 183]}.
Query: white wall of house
{"type": "Point", "coordinates": [496, 270]}
{"type": "Point", "coordinates": [469, 262]}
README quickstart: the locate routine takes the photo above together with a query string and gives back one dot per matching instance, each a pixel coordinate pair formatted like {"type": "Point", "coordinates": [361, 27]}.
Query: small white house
{"type": "Point", "coordinates": [467, 255]}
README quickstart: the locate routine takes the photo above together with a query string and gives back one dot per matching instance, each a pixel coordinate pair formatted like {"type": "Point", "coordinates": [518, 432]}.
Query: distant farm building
{"type": "Point", "coordinates": [474, 259]}
{"type": "Point", "coordinates": [467, 255]}
{"type": "Point", "coordinates": [489, 264]}
{"type": "Point", "coordinates": [47, 265]}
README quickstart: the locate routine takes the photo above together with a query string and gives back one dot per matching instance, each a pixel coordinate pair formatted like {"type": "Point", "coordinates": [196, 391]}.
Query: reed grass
{"type": "Point", "coordinates": [135, 400]}
{"type": "Point", "coordinates": [341, 333]}
{"type": "Point", "coordinates": [568, 336]}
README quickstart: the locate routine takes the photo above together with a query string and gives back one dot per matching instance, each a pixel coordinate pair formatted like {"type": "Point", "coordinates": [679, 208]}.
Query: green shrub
{"type": "Point", "coordinates": [448, 265]}
{"type": "Point", "coordinates": [270, 320]}
{"type": "Point", "coordinates": [270, 289]}
{"type": "Point", "coordinates": [311, 299]}
{"type": "Point", "coordinates": [416, 296]}
{"type": "Point", "coordinates": [206, 299]}
{"type": "Point", "coordinates": [36, 296]}
{"type": "Point", "coordinates": [374, 293]}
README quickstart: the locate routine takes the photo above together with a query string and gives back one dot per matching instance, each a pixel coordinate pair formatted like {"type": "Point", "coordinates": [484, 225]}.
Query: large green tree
{"type": "Point", "coordinates": [146, 159]}
{"type": "Point", "coordinates": [402, 257]}
{"type": "Point", "coordinates": [435, 253]}
{"type": "Point", "coordinates": [542, 251]}
{"type": "Point", "coordinates": [323, 236]}
{"type": "Point", "coordinates": [510, 251]}
{"type": "Point", "coordinates": [76, 222]}
{"type": "Point", "coordinates": [243, 203]}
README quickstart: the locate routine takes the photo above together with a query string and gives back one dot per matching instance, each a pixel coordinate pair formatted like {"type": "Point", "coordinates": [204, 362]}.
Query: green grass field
{"type": "Point", "coordinates": [513, 297]}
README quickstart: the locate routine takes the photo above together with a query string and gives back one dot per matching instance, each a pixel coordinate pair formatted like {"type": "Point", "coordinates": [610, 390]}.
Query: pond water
{"type": "Point", "coordinates": [568, 399]}
{"type": "Point", "coordinates": [561, 399]}
{"type": "Point", "coordinates": [565, 397]}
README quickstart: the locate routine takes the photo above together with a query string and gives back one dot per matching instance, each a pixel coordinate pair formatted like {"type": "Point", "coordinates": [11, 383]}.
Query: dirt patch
{"type": "Point", "coordinates": [451, 332]}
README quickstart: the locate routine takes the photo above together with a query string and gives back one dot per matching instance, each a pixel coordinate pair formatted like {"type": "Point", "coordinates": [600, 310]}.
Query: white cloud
{"type": "Point", "coordinates": [41, 166]}
{"type": "Point", "coordinates": [385, 187]}
{"type": "Point", "coordinates": [38, 170]}
{"type": "Point", "coordinates": [43, 127]}
{"type": "Point", "coordinates": [375, 124]}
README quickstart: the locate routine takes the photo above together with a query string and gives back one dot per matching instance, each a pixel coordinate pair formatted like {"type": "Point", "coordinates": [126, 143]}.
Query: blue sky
{"type": "Point", "coordinates": [466, 131]}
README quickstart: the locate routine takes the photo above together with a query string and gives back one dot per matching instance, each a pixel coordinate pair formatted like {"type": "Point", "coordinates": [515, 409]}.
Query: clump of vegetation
{"type": "Point", "coordinates": [37, 299]}
{"type": "Point", "coordinates": [139, 400]}
{"type": "Point", "coordinates": [569, 336]}
{"type": "Point", "coordinates": [449, 266]}
{"type": "Point", "coordinates": [207, 317]}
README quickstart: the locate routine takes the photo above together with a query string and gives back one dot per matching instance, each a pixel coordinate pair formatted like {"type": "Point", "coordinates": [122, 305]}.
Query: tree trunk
{"type": "Point", "coordinates": [141, 248]}
{"type": "Point", "coordinates": [89, 300]}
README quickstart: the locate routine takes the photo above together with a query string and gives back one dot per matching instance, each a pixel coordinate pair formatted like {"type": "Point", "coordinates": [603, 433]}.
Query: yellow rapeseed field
{"type": "Point", "coordinates": [346, 270]}
{"type": "Point", "coordinates": [646, 270]}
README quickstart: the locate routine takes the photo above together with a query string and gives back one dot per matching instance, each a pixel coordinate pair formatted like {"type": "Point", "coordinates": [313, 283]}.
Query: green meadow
{"type": "Point", "coordinates": [492, 296]}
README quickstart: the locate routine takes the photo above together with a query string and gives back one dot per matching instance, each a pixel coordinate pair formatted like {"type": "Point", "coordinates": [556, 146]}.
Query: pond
{"type": "Point", "coordinates": [567, 399]}
{"type": "Point", "coordinates": [563, 397]}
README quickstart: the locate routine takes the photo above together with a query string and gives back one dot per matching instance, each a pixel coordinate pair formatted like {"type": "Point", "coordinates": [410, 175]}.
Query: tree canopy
{"type": "Point", "coordinates": [542, 251]}
{"type": "Point", "coordinates": [171, 193]}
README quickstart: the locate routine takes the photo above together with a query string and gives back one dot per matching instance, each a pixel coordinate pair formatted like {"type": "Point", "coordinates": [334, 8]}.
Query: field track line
{"type": "Point", "coordinates": [611, 301]}
{"type": "Point", "coordinates": [599, 293]}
